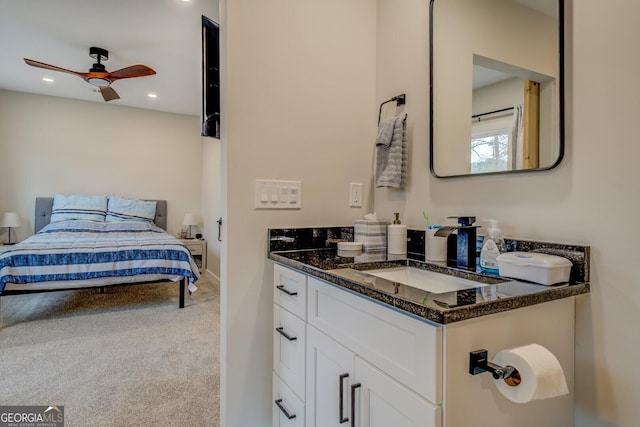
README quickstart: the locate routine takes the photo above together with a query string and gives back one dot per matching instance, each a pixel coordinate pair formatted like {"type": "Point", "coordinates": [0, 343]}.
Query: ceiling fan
{"type": "Point", "coordinates": [98, 75]}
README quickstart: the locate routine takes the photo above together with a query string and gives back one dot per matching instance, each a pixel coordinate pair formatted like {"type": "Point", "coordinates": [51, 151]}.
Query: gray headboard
{"type": "Point", "coordinates": [44, 206]}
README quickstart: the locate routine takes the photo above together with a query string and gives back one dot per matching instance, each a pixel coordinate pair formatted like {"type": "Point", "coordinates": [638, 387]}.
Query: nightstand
{"type": "Point", "coordinates": [198, 248]}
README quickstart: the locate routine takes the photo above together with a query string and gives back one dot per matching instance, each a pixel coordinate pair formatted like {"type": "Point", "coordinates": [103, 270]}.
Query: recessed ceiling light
{"type": "Point", "coordinates": [47, 79]}
{"type": "Point", "coordinates": [153, 95]}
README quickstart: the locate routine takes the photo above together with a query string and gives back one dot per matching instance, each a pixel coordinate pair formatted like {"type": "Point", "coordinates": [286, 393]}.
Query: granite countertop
{"type": "Point", "coordinates": [493, 294]}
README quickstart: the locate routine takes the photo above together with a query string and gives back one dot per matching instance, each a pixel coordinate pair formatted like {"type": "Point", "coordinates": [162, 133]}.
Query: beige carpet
{"type": "Point", "coordinates": [128, 357]}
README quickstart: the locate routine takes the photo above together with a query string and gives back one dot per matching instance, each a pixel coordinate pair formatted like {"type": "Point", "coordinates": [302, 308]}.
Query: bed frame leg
{"type": "Point", "coordinates": [182, 290]}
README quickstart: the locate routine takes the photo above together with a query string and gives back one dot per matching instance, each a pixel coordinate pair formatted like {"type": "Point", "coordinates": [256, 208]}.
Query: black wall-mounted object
{"type": "Point", "coordinates": [479, 363]}
{"type": "Point", "coordinates": [210, 78]}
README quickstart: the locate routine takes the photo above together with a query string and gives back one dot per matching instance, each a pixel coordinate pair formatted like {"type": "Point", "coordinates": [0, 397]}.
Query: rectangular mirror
{"type": "Point", "coordinates": [497, 86]}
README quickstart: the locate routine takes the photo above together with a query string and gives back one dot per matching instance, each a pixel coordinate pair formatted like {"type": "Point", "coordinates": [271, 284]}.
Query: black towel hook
{"type": "Point", "coordinates": [400, 100]}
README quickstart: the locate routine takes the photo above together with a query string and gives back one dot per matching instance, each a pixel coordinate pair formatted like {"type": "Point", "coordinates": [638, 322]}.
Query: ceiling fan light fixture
{"type": "Point", "coordinates": [98, 81]}
{"type": "Point", "coordinates": [98, 76]}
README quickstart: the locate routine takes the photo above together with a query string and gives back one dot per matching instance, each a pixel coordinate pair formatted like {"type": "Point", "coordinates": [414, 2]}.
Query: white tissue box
{"type": "Point", "coordinates": [534, 267]}
{"type": "Point", "coordinates": [372, 234]}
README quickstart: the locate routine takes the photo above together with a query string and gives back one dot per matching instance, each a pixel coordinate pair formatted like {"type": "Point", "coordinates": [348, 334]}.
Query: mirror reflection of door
{"type": "Point", "coordinates": [498, 62]}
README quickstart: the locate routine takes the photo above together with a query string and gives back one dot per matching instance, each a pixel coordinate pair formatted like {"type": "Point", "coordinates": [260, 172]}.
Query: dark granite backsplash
{"type": "Point", "coordinates": [291, 239]}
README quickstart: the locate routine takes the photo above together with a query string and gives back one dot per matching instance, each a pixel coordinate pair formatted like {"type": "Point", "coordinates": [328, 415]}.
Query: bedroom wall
{"type": "Point", "coordinates": [50, 145]}
{"type": "Point", "coordinates": [212, 201]}
{"type": "Point", "coordinates": [212, 178]}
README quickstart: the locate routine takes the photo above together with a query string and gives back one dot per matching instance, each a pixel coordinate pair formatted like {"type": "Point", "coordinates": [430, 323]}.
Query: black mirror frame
{"type": "Point", "coordinates": [561, 101]}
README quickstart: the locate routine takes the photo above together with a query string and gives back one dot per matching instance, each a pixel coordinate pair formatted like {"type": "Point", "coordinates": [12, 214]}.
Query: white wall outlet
{"type": "Point", "coordinates": [355, 195]}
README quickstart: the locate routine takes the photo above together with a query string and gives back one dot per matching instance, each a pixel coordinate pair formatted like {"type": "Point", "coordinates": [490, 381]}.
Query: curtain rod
{"type": "Point", "coordinates": [477, 116]}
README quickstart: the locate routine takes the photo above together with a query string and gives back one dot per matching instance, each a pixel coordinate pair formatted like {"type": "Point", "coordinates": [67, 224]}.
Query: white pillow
{"type": "Point", "coordinates": [123, 209]}
{"type": "Point", "coordinates": [78, 206]}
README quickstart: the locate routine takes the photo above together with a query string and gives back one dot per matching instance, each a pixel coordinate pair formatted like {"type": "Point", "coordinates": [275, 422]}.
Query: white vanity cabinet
{"type": "Point", "coordinates": [341, 359]}
{"type": "Point", "coordinates": [289, 347]}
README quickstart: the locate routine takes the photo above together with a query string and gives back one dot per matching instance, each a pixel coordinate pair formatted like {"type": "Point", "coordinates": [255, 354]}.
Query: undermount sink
{"type": "Point", "coordinates": [430, 281]}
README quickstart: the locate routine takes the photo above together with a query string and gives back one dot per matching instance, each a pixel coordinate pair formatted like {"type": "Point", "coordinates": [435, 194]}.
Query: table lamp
{"type": "Point", "coordinates": [189, 219]}
{"type": "Point", "coordinates": [9, 220]}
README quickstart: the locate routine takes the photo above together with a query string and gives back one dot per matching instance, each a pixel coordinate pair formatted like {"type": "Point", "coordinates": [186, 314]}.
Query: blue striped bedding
{"type": "Point", "coordinates": [80, 250]}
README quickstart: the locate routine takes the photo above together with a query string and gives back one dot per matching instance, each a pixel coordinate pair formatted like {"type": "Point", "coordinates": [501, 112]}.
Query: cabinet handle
{"type": "Point", "coordinates": [353, 403]}
{"type": "Point", "coordinates": [284, 410]}
{"type": "Point", "coordinates": [284, 334]}
{"type": "Point", "coordinates": [343, 419]}
{"type": "Point", "coordinates": [286, 291]}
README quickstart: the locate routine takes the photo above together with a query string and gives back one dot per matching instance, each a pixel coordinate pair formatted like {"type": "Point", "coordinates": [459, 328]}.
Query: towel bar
{"type": "Point", "coordinates": [400, 100]}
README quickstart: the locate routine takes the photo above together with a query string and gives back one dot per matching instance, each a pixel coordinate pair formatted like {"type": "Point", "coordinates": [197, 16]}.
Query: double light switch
{"type": "Point", "coordinates": [274, 194]}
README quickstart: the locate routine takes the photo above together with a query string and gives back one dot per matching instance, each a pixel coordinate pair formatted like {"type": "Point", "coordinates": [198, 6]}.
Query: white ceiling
{"type": "Point", "coordinates": [162, 34]}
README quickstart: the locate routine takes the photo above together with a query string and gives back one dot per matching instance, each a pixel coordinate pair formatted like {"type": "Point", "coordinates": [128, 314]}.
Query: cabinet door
{"type": "Point", "coordinates": [329, 378]}
{"type": "Point", "coordinates": [382, 402]}
{"type": "Point", "coordinates": [288, 409]}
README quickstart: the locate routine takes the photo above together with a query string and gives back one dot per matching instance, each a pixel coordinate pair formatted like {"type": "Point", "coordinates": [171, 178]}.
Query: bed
{"type": "Point", "coordinates": [76, 251]}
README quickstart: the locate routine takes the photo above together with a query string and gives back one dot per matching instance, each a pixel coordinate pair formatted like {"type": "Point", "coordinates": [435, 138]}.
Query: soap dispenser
{"type": "Point", "coordinates": [397, 237]}
{"type": "Point", "coordinates": [492, 246]}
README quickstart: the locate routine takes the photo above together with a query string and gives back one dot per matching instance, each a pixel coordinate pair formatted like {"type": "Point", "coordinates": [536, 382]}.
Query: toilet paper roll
{"type": "Point", "coordinates": [541, 374]}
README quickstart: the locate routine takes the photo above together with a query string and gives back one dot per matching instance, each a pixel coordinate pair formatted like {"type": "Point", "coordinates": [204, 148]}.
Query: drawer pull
{"type": "Point", "coordinates": [343, 419]}
{"type": "Point", "coordinates": [286, 291]}
{"type": "Point", "coordinates": [281, 331]}
{"type": "Point", "coordinates": [284, 410]}
{"type": "Point", "coordinates": [353, 403]}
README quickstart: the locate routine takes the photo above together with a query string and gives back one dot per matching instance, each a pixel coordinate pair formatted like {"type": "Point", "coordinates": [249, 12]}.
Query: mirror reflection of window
{"type": "Point", "coordinates": [491, 145]}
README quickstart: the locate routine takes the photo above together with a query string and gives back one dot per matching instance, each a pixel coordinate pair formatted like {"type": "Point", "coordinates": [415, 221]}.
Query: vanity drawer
{"type": "Point", "coordinates": [289, 343]}
{"type": "Point", "coordinates": [406, 348]}
{"type": "Point", "coordinates": [290, 290]}
{"type": "Point", "coordinates": [288, 409]}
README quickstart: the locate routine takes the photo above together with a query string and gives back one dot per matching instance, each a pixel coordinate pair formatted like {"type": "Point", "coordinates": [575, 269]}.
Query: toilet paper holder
{"type": "Point", "coordinates": [479, 363]}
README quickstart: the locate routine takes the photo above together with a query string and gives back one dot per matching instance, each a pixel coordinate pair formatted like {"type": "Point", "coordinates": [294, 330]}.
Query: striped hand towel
{"type": "Point", "coordinates": [391, 153]}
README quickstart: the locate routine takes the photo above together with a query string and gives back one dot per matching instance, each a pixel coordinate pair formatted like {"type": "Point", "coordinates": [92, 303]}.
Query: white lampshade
{"type": "Point", "coordinates": [9, 219]}
{"type": "Point", "coordinates": [189, 219]}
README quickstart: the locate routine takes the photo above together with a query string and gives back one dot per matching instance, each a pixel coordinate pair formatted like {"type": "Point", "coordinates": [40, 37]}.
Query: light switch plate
{"type": "Point", "coordinates": [276, 194]}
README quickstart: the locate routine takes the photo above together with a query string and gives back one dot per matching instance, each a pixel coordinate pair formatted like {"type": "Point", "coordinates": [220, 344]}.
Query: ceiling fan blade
{"type": "Point", "coordinates": [108, 93]}
{"type": "Point", "coordinates": [132, 71]}
{"type": "Point", "coordinates": [53, 67]}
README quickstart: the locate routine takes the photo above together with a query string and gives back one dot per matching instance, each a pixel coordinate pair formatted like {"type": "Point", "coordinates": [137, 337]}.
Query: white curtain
{"type": "Point", "coordinates": [517, 137]}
